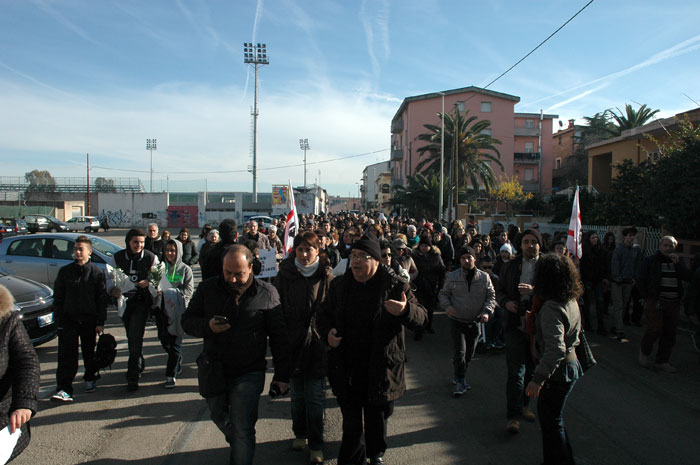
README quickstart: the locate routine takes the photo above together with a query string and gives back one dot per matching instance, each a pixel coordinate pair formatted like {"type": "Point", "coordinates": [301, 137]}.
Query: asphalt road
{"type": "Point", "coordinates": [618, 413]}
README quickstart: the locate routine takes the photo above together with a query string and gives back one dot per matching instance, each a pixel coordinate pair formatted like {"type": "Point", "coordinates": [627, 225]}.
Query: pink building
{"type": "Point", "coordinates": [506, 125]}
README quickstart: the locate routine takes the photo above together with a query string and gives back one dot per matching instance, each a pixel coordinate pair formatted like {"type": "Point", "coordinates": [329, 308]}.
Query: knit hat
{"type": "Point", "coordinates": [532, 232]}
{"type": "Point", "coordinates": [368, 244]}
{"type": "Point", "coordinates": [399, 244]}
{"type": "Point", "coordinates": [507, 247]}
{"type": "Point", "coordinates": [465, 250]}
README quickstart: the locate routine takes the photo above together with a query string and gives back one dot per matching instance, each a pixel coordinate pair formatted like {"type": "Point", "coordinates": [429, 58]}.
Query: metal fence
{"type": "Point", "coordinates": [651, 236]}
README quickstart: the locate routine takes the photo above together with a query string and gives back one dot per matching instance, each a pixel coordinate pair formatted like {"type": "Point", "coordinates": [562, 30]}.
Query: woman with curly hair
{"type": "Point", "coordinates": [558, 323]}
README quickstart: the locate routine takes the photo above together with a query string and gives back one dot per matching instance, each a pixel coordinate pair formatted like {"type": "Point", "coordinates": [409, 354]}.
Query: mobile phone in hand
{"type": "Point", "coordinates": [220, 320]}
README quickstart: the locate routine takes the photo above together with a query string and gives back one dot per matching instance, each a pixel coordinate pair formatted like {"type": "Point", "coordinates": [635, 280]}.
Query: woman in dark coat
{"type": "Point", "coordinates": [594, 274]}
{"type": "Point", "coordinates": [19, 374]}
{"type": "Point", "coordinates": [302, 283]}
{"type": "Point", "coordinates": [431, 275]}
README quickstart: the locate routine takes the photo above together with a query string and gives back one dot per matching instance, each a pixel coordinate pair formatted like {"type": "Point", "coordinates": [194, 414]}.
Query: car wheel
{"type": "Point", "coordinates": [53, 230]}
{"type": "Point", "coordinates": [87, 230]}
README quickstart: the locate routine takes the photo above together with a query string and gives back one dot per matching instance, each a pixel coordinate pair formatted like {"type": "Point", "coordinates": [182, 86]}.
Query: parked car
{"type": "Point", "coordinates": [40, 256]}
{"type": "Point", "coordinates": [84, 223]}
{"type": "Point", "coordinates": [34, 302]}
{"type": "Point", "coordinates": [18, 225]}
{"type": "Point", "coordinates": [44, 223]}
{"type": "Point", "coordinates": [6, 231]}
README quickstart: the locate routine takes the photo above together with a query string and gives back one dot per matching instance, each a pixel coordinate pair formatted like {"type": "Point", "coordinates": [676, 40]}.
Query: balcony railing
{"type": "Point", "coordinates": [527, 132]}
{"type": "Point", "coordinates": [520, 157]}
{"type": "Point", "coordinates": [396, 154]}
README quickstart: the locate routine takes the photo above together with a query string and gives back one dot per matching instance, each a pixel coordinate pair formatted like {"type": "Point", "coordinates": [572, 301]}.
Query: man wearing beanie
{"type": "Point", "coordinates": [431, 275]}
{"type": "Point", "coordinates": [363, 320]}
{"type": "Point", "coordinates": [228, 234]}
{"type": "Point", "coordinates": [468, 298]}
{"type": "Point", "coordinates": [514, 293]}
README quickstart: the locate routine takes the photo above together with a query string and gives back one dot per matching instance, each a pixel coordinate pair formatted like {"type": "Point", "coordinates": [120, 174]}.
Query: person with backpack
{"type": "Point", "coordinates": [80, 311]}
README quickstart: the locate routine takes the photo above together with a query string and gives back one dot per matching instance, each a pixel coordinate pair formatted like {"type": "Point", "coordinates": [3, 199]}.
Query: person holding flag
{"type": "Point", "coordinates": [573, 240]}
{"type": "Point", "coordinates": [292, 225]}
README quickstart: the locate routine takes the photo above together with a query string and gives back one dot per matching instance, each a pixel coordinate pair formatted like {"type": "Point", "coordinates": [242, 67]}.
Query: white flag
{"type": "Point", "coordinates": [573, 241]}
{"type": "Point", "coordinates": [290, 229]}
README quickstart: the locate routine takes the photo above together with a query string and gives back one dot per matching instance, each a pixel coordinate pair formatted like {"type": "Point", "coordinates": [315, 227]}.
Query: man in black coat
{"type": "Point", "coordinates": [228, 235]}
{"type": "Point", "coordinates": [235, 314]}
{"type": "Point", "coordinates": [80, 310]}
{"type": "Point", "coordinates": [154, 243]}
{"type": "Point", "coordinates": [363, 321]}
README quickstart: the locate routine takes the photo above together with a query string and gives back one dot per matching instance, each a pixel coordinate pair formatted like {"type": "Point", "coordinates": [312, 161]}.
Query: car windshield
{"type": "Point", "coordinates": [52, 218]}
{"type": "Point", "coordinates": [104, 246]}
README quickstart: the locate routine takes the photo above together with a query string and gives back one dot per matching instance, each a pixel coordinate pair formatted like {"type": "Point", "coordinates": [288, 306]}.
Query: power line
{"type": "Point", "coordinates": [540, 44]}
{"type": "Point", "coordinates": [245, 170]}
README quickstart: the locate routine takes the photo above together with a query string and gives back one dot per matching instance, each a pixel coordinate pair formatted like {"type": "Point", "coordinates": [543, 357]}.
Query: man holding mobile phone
{"type": "Point", "coordinates": [235, 314]}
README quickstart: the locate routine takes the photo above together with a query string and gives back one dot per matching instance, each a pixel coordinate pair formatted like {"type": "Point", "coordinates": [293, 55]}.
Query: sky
{"type": "Point", "coordinates": [79, 77]}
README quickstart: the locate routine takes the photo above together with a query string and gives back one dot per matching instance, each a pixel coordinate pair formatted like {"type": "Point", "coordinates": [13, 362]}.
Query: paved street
{"type": "Point", "coordinates": [618, 414]}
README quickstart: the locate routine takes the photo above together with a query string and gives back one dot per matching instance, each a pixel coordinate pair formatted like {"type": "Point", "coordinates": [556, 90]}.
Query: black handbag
{"type": "Point", "coordinates": [584, 352]}
{"type": "Point", "coordinates": [210, 375]}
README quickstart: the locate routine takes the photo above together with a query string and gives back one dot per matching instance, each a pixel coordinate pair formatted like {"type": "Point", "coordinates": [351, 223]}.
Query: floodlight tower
{"type": "Point", "coordinates": [256, 55]}
{"type": "Point", "coordinates": [304, 145]}
{"type": "Point", "coordinates": [151, 145]}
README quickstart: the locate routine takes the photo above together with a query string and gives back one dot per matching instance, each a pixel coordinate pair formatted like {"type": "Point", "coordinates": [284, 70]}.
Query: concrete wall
{"type": "Point", "coordinates": [125, 210]}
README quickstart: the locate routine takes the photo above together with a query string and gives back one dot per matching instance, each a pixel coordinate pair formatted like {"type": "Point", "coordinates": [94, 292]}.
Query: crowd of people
{"type": "Point", "coordinates": [339, 306]}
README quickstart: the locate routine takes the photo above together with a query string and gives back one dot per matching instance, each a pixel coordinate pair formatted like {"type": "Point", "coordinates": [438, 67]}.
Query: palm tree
{"type": "Point", "coordinates": [472, 162]}
{"type": "Point", "coordinates": [420, 197]}
{"type": "Point", "coordinates": [632, 118]}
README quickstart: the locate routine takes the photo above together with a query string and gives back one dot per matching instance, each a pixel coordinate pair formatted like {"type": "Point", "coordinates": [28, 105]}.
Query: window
{"type": "Point", "coordinates": [529, 174]}
{"type": "Point", "coordinates": [486, 132]}
{"type": "Point", "coordinates": [559, 139]}
{"type": "Point", "coordinates": [529, 147]}
{"type": "Point", "coordinates": [486, 107]}
{"type": "Point", "coordinates": [62, 249]}
{"type": "Point", "coordinates": [529, 123]}
{"type": "Point", "coordinates": [557, 163]}
{"type": "Point", "coordinates": [652, 157]}
{"type": "Point", "coordinates": [27, 247]}
{"type": "Point", "coordinates": [460, 106]}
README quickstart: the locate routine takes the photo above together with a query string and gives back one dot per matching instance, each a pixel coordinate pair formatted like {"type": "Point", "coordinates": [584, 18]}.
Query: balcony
{"type": "Point", "coordinates": [396, 125]}
{"type": "Point", "coordinates": [526, 158]}
{"type": "Point", "coordinates": [396, 154]}
{"type": "Point", "coordinates": [527, 132]}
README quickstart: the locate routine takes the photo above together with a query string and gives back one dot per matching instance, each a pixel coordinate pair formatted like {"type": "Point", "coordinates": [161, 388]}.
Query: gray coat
{"type": "Point", "coordinates": [558, 326]}
{"type": "Point", "coordinates": [470, 301]}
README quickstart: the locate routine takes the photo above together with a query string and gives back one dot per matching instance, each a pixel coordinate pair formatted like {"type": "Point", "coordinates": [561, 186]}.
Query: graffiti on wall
{"type": "Point", "coordinates": [120, 218]}
{"type": "Point", "coordinates": [127, 218]}
{"type": "Point", "coordinates": [183, 217]}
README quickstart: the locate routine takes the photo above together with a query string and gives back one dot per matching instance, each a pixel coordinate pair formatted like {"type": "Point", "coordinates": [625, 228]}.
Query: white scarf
{"type": "Point", "coordinates": [306, 271]}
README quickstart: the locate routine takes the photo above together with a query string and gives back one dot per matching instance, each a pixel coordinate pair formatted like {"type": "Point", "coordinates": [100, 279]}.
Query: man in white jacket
{"type": "Point", "coordinates": [469, 298]}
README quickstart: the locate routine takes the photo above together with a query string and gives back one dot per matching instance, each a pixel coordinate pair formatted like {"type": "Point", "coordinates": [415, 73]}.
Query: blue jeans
{"type": "Point", "coordinates": [520, 368]}
{"type": "Point", "coordinates": [307, 409]}
{"type": "Point", "coordinates": [550, 408]}
{"type": "Point", "coordinates": [236, 412]}
{"type": "Point", "coordinates": [465, 336]}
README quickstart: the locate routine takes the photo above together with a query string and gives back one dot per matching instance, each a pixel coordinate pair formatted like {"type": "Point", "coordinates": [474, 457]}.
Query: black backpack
{"type": "Point", "coordinates": [106, 351]}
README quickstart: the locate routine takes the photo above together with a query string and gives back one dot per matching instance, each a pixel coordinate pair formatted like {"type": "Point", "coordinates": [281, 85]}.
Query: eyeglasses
{"type": "Point", "coordinates": [360, 258]}
{"type": "Point", "coordinates": [385, 255]}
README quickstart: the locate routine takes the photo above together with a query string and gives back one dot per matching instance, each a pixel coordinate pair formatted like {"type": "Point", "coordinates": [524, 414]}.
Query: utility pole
{"type": "Point", "coordinates": [257, 56]}
{"type": "Point", "coordinates": [88, 185]}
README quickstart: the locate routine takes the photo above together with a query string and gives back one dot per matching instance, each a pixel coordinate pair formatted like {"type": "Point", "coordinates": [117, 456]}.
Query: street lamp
{"type": "Point", "coordinates": [151, 145]}
{"type": "Point", "coordinates": [304, 145]}
{"type": "Point", "coordinates": [257, 56]}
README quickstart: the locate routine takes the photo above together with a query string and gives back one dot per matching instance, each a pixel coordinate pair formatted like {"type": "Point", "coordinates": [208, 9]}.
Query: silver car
{"type": "Point", "coordinates": [84, 223]}
{"type": "Point", "coordinates": [40, 256]}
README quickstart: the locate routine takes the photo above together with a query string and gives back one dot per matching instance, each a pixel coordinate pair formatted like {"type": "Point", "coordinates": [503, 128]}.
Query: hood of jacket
{"type": "Point", "coordinates": [178, 253]}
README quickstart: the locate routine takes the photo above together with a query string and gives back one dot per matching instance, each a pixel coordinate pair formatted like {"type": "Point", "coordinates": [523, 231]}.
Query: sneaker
{"type": "Point", "coordinates": [169, 383]}
{"type": "Point", "coordinates": [529, 415]}
{"type": "Point", "coordinates": [90, 386]}
{"type": "Point", "coordinates": [667, 367]}
{"type": "Point", "coordinates": [299, 443]}
{"type": "Point", "coordinates": [513, 426]}
{"type": "Point", "coordinates": [644, 360]}
{"type": "Point", "coordinates": [315, 456]}
{"type": "Point", "coordinates": [498, 345]}
{"type": "Point", "coordinates": [620, 337]}
{"type": "Point", "coordinates": [61, 396]}
{"type": "Point", "coordinates": [461, 387]}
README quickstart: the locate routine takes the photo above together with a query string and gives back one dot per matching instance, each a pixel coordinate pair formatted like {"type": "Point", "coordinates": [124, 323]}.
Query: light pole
{"type": "Point", "coordinates": [151, 145]}
{"type": "Point", "coordinates": [304, 145]}
{"type": "Point", "coordinates": [442, 155]}
{"type": "Point", "coordinates": [255, 55]}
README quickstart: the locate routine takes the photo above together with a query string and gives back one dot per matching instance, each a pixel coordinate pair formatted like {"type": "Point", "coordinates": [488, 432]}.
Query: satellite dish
{"type": "Point", "coordinates": [561, 125]}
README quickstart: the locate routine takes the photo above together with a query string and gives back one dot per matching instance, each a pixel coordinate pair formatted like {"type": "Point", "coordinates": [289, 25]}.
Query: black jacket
{"type": "Point", "coordinates": [157, 247]}
{"type": "Point", "coordinates": [137, 268]}
{"type": "Point", "coordinates": [507, 290]}
{"type": "Point", "coordinates": [386, 348]}
{"type": "Point", "coordinates": [19, 373]}
{"type": "Point", "coordinates": [301, 300]}
{"type": "Point", "coordinates": [189, 252]}
{"type": "Point", "coordinates": [649, 276]}
{"type": "Point", "coordinates": [256, 317]}
{"type": "Point", "coordinates": [79, 291]}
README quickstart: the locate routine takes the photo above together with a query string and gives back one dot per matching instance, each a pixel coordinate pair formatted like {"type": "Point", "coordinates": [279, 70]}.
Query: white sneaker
{"type": "Point", "coordinates": [61, 396]}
